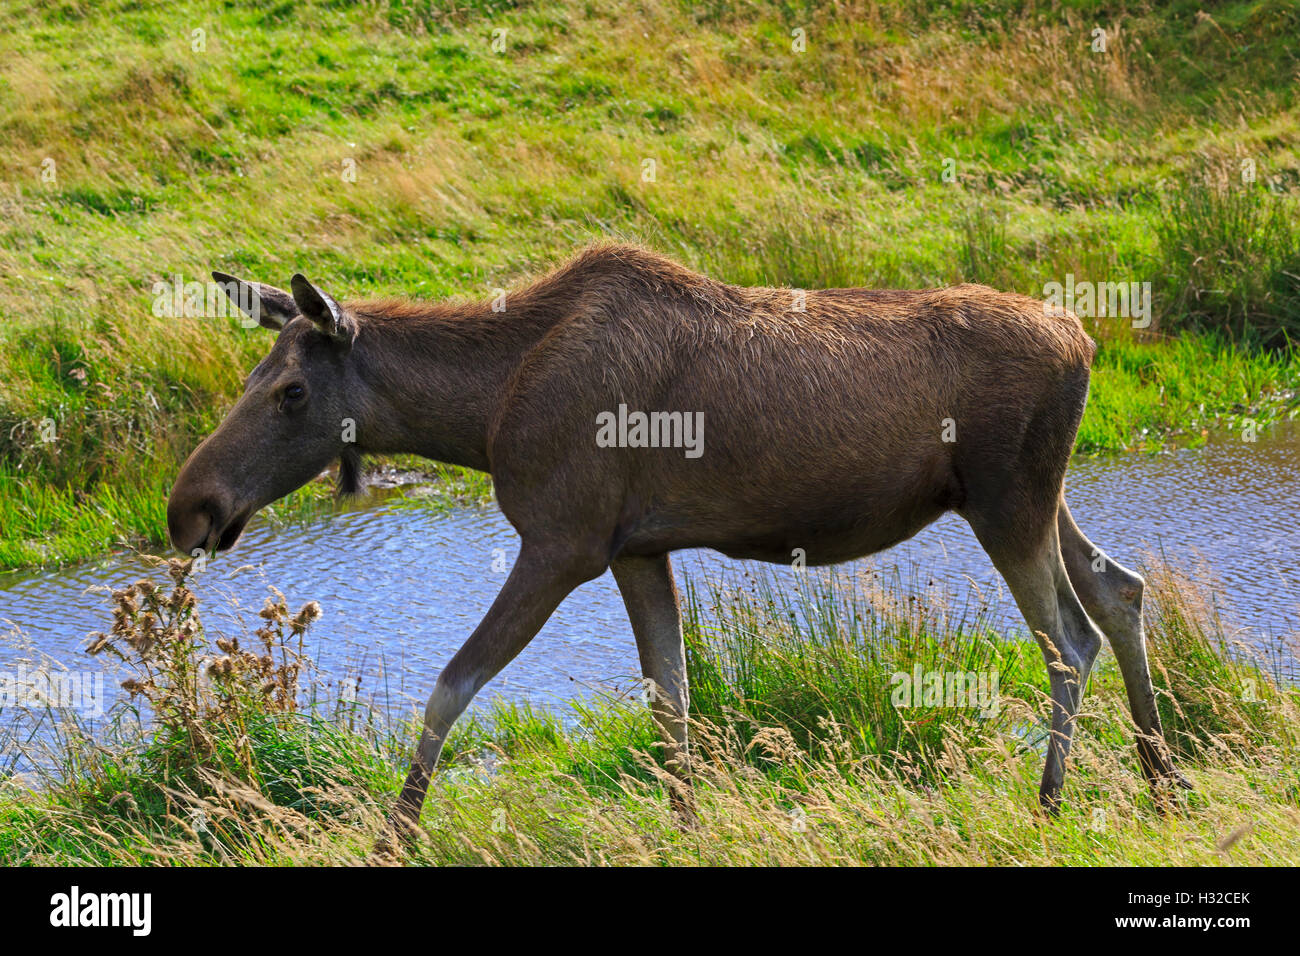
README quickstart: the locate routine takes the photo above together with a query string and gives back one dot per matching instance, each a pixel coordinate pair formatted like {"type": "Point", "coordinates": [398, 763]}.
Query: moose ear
{"type": "Point", "coordinates": [322, 309]}
{"type": "Point", "coordinates": [268, 306]}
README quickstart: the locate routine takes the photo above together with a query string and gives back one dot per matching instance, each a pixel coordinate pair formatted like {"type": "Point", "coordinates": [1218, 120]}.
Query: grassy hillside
{"type": "Point", "coordinates": [447, 149]}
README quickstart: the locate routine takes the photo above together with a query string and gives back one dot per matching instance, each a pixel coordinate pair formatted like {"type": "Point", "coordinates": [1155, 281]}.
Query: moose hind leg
{"type": "Point", "coordinates": [653, 607]}
{"type": "Point", "coordinates": [1036, 575]}
{"type": "Point", "coordinates": [1112, 596]}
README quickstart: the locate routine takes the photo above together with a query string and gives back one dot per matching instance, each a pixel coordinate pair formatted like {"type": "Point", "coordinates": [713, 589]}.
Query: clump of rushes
{"type": "Point", "coordinates": [1215, 694]}
{"type": "Point", "coordinates": [1229, 261]}
{"type": "Point", "coordinates": [823, 664]}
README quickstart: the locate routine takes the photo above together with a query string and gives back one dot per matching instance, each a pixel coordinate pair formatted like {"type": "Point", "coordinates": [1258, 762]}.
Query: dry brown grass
{"type": "Point", "coordinates": [520, 788]}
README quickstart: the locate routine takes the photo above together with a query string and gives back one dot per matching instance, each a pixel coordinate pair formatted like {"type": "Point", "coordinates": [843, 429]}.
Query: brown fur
{"type": "Point", "coordinates": [824, 431]}
{"type": "Point", "coordinates": [827, 419]}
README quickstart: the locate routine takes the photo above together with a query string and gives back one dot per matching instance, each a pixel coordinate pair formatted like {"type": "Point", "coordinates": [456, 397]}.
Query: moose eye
{"type": "Point", "coordinates": [294, 392]}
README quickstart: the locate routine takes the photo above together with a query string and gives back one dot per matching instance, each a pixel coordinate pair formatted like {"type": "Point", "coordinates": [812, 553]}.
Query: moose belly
{"type": "Point", "coordinates": [814, 543]}
{"type": "Point", "coordinates": [812, 530]}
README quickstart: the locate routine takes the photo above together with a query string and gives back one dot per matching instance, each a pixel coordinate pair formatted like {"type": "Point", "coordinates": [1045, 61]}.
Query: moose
{"type": "Point", "coordinates": [837, 422]}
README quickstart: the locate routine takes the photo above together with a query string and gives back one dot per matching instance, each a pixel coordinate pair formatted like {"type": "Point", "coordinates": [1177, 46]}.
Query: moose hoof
{"type": "Point", "coordinates": [1162, 777]}
{"type": "Point", "coordinates": [1167, 791]}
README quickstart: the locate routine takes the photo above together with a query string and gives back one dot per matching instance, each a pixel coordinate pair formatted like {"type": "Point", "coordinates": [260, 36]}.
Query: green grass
{"type": "Point", "coordinates": [801, 755]}
{"type": "Point", "coordinates": [827, 654]}
{"type": "Point", "coordinates": [133, 150]}
{"type": "Point", "coordinates": [1146, 395]}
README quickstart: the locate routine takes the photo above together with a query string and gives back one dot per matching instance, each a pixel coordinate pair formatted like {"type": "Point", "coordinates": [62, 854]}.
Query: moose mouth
{"type": "Point", "coordinates": [232, 533]}
{"type": "Point", "coordinates": [223, 537]}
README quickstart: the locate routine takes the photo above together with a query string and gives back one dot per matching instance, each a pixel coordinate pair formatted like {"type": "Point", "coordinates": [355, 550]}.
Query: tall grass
{"type": "Point", "coordinates": [1210, 701]}
{"type": "Point", "coordinates": [798, 758]}
{"type": "Point", "coordinates": [1230, 261]}
{"type": "Point", "coordinates": [832, 654]}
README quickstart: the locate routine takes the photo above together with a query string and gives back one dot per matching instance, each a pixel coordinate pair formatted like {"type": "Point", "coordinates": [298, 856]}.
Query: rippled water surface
{"type": "Point", "coordinates": [402, 586]}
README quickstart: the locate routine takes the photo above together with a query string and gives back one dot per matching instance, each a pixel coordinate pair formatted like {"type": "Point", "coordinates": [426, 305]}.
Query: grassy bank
{"type": "Point", "coordinates": [804, 751]}
{"type": "Point", "coordinates": [392, 148]}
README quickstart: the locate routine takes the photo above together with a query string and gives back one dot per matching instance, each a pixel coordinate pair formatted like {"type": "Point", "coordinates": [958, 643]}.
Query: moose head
{"type": "Point", "coordinates": [290, 423]}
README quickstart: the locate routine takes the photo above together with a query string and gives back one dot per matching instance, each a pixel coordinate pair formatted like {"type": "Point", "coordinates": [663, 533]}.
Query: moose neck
{"type": "Point", "coordinates": [435, 374]}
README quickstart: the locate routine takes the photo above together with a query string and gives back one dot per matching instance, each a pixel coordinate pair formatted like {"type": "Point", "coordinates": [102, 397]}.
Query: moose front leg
{"type": "Point", "coordinates": [650, 594]}
{"type": "Point", "coordinates": [538, 582]}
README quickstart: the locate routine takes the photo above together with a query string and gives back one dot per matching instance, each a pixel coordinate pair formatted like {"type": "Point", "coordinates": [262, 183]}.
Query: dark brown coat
{"type": "Point", "coordinates": [835, 423]}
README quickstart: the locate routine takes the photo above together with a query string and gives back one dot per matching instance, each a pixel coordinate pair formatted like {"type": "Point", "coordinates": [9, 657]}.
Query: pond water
{"type": "Point", "coordinates": [403, 584]}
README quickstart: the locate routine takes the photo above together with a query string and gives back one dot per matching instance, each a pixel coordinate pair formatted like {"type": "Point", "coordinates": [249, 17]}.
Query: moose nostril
{"type": "Point", "coordinates": [190, 524]}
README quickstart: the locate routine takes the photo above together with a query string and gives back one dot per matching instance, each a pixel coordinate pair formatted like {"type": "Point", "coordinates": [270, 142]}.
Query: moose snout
{"type": "Point", "coordinates": [202, 520]}
{"type": "Point", "coordinates": [189, 522]}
